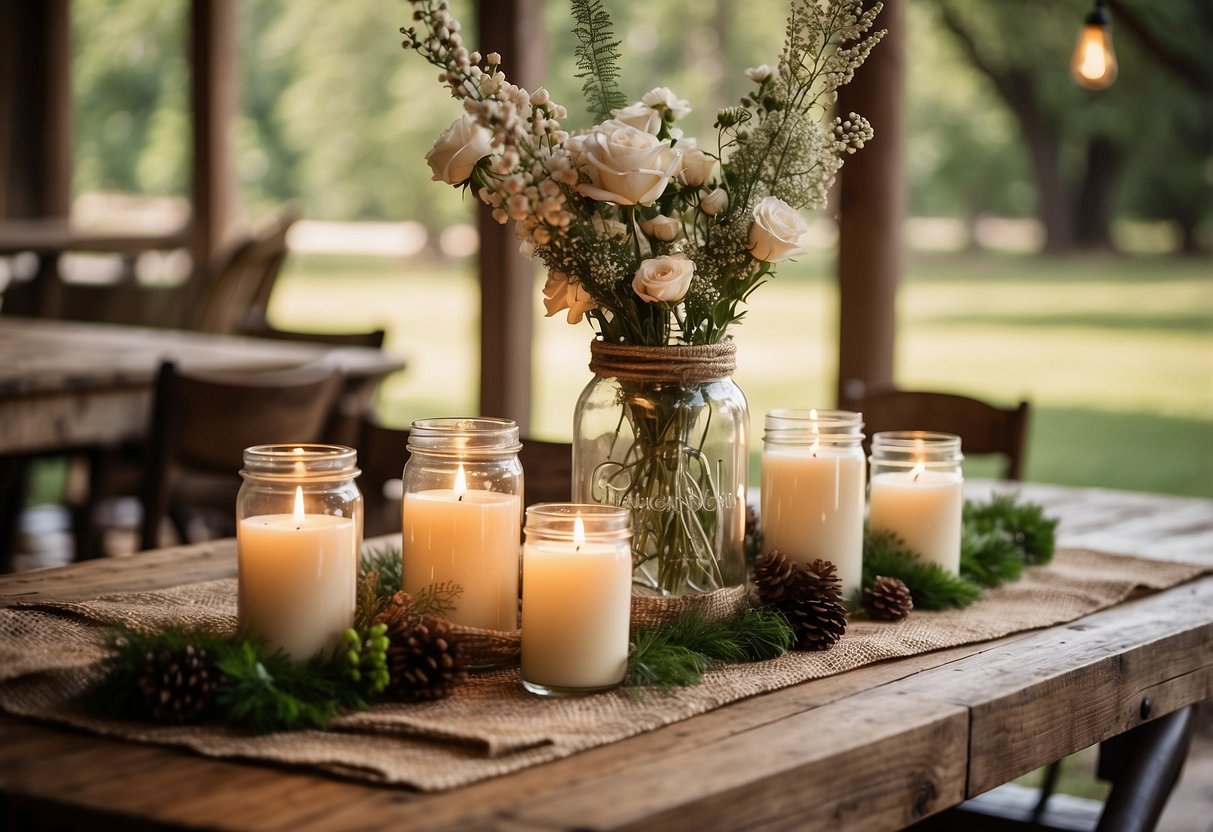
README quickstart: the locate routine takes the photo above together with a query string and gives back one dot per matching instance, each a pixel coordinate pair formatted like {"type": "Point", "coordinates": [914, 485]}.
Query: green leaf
{"type": "Point", "coordinates": [598, 56]}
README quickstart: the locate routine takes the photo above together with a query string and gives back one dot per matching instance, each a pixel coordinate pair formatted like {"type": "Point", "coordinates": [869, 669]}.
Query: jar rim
{"type": "Point", "coordinates": [300, 460]}
{"type": "Point", "coordinates": [599, 522]}
{"type": "Point", "coordinates": [910, 447]}
{"type": "Point", "coordinates": [804, 426]}
{"type": "Point", "coordinates": [458, 435]}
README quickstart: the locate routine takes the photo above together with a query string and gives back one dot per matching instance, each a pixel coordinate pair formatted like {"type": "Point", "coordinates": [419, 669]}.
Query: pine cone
{"type": "Point", "coordinates": [178, 685]}
{"type": "Point", "coordinates": [424, 658]}
{"type": "Point", "coordinates": [773, 577]}
{"type": "Point", "coordinates": [887, 599]}
{"type": "Point", "coordinates": [814, 607]}
{"type": "Point", "coordinates": [394, 610]}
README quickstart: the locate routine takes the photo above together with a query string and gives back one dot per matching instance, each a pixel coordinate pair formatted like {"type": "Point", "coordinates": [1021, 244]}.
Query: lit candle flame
{"type": "Point", "coordinates": [299, 504]}
{"type": "Point", "coordinates": [816, 436]}
{"type": "Point", "coordinates": [917, 471]}
{"type": "Point", "coordinates": [813, 415]}
{"type": "Point", "coordinates": [578, 532]}
{"type": "Point", "coordinates": [461, 482]}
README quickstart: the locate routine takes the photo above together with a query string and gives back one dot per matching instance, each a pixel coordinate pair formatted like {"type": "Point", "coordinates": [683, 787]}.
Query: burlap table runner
{"type": "Point", "coordinates": [49, 654]}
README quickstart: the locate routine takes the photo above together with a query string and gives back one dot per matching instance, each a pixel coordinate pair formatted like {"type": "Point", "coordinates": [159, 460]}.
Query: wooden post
{"type": "Point", "coordinates": [513, 28]}
{"type": "Point", "coordinates": [872, 200]}
{"type": "Point", "coordinates": [214, 101]}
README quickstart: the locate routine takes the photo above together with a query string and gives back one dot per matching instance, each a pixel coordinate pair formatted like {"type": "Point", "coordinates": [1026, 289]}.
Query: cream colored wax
{"type": "Point", "coordinates": [470, 538]}
{"type": "Point", "coordinates": [298, 579]}
{"type": "Point", "coordinates": [924, 509]}
{"type": "Point", "coordinates": [812, 507]}
{"type": "Point", "coordinates": [576, 603]}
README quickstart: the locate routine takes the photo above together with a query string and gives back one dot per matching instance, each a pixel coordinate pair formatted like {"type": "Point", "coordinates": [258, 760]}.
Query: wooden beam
{"type": "Point", "coordinates": [872, 207]}
{"type": "Point", "coordinates": [35, 109]}
{"type": "Point", "coordinates": [513, 28]}
{"type": "Point", "coordinates": [214, 101]}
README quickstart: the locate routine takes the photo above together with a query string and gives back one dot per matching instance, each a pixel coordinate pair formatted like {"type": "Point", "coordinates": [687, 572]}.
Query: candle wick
{"type": "Point", "coordinates": [917, 474]}
{"type": "Point", "coordinates": [461, 498]}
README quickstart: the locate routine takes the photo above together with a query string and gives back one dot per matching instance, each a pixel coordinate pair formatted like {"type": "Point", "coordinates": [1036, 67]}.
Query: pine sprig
{"type": "Point", "coordinates": [989, 558]}
{"type": "Point", "coordinates": [118, 693]}
{"type": "Point", "coordinates": [1023, 523]}
{"type": "Point", "coordinates": [598, 56]}
{"type": "Point", "coordinates": [387, 562]}
{"type": "Point", "coordinates": [932, 586]}
{"type": "Point", "coordinates": [263, 694]}
{"type": "Point", "coordinates": [436, 599]}
{"type": "Point", "coordinates": [678, 655]}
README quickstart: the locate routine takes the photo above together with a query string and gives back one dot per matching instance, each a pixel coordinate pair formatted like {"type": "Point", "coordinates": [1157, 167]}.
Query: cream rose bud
{"type": "Point", "coordinates": [662, 227]}
{"type": "Point", "coordinates": [714, 202]}
{"type": "Point", "coordinates": [775, 234]}
{"type": "Point", "coordinates": [663, 98]}
{"type": "Point", "coordinates": [664, 279]}
{"type": "Point", "coordinates": [640, 116]}
{"type": "Point", "coordinates": [758, 74]}
{"type": "Point", "coordinates": [560, 293]}
{"type": "Point", "coordinates": [608, 228]}
{"type": "Point", "coordinates": [460, 147]}
{"type": "Point", "coordinates": [625, 166]}
{"type": "Point", "coordinates": [697, 166]}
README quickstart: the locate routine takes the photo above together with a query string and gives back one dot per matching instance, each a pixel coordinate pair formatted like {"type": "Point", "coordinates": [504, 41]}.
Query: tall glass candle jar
{"type": "Point", "coordinates": [813, 482]}
{"type": "Point", "coordinates": [298, 534]}
{"type": "Point", "coordinates": [462, 516]}
{"type": "Point", "coordinates": [576, 598]}
{"type": "Point", "coordinates": [917, 492]}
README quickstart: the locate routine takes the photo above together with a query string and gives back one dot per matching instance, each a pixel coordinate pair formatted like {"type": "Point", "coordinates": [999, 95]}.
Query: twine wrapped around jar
{"type": "Point", "coordinates": [684, 364]}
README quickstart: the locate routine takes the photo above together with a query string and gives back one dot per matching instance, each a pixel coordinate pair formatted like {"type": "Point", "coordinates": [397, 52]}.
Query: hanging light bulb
{"type": "Point", "coordinates": [1094, 63]}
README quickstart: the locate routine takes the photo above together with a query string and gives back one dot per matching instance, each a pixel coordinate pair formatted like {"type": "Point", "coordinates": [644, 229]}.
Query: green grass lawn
{"type": "Point", "coordinates": [1115, 353]}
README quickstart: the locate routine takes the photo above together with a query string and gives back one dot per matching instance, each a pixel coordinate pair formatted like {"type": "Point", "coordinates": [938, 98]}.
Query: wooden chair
{"type": "Point", "coordinates": [547, 473]}
{"type": "Point", "coordinates": [201, 425]}
{"type": "Point", "coordinates": [236, 293]}
{"type": "Point", "coordinates": [983, 428]}
{"type": "Point", "coordinates": [373, 338]}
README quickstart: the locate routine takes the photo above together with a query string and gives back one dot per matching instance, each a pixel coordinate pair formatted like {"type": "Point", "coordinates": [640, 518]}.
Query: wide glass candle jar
{"type": "Point", "coordinates": [813, 483]}
{"type": "Point", "coordinates": [576, 598]}
{"type": "Point", "coordinates": [298, 533]}
{"type": "Point", "coordinates": [462, 516]}
{"type": "Point", "coordinates": [917, 492]}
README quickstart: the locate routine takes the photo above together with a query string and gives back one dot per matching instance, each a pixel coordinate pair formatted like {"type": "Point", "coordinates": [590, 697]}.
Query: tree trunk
{"type": "Point", "coordinates": [1044, 149]}
{"type": "Point", "coordinates": [1093, 208]}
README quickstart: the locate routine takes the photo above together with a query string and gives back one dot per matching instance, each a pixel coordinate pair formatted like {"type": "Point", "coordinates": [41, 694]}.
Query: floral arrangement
{"type": "Point", "coordinates": [655, 237]}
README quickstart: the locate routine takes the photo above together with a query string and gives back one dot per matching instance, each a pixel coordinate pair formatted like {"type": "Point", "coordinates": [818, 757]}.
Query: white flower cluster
{"type": "Point", "coordinates": [636, 222]}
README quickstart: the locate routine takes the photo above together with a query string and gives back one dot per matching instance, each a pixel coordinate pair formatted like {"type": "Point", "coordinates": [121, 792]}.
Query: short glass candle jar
{"type": "Point", "coordinates": [813, 483]}
{"type": "Point", "coordinates": [576, 598]}
{"type": "Point", "coordinates": [462, 516]}
{"type": "Point", "coordinates": [298, 533]}
{"type": "Point", "coordinates": [917, 492]}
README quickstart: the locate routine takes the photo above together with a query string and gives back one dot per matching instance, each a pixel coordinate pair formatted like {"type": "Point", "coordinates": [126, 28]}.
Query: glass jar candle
{"type": "Point", "coordinates": [298, 535]}
{"type": "Point", "coordinates": [576, 598]}
{"type": "Point", "coordinates": [917, 493]}
{"type": "Point", "coordinates": [462, 516]}
{"type": "Point", "coordinates": [813, 483]}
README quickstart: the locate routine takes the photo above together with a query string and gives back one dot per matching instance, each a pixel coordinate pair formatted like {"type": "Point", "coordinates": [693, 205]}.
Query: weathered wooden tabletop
{"type": "Point", "coordinates": [872, 749]}
{"type": "Point", "coordinates": [64, 384]}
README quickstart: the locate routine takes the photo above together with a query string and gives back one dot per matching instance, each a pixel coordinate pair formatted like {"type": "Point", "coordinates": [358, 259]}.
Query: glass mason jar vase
{"type": "Point", "coordinates": [814, 479]}
{"type": "Point", "coordinates": [917, 493]}
{"type": "Point", "coordinates": [298, 531]}
{"type": "Point", "coordinates": [462, 516]}
{"type": "Point", "coordinates": [663, 431]}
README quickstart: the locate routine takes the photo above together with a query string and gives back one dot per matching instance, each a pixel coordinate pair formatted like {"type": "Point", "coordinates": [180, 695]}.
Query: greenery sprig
{"type": "Point", "coordinates": [678, 655]}
{"type": "Point", "coordinates": [598, 56]}
{"type": "Point", "coordinates": [932, 586]}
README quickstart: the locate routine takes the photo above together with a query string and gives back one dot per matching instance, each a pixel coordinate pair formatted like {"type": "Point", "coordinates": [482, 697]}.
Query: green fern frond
{"type": "Point", "coordinates": [597, 58]}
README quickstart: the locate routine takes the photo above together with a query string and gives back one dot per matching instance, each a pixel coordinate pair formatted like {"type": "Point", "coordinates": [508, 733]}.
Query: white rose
{"type": "Point", "coordinates": [458, 149]}
{"type": "Point", "coordinates": [715, 202]}
{"type": "Point", "coordinates": [560, 293]}
{"type": "Point", "coordinates": [664, 279]}
{"type": "Point", "coordinates": [625, 165]}
{"type": "Point", "coordinates": [663, 98]}
{"type": "Point", "coordinates": [640, 116]}
{"type": "Point", "coordinates": [697, 166]}
{"type": "Point", "coordinates": [662, 227]}
{"type": "Point", "coordinates": [775, 234]}
{"type": "Point", "coordinates": [758, 74]}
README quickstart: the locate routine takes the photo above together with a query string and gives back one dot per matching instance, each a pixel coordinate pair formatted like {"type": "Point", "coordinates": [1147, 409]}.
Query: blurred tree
{"type": "Point", "coordinates": [1080, 143]}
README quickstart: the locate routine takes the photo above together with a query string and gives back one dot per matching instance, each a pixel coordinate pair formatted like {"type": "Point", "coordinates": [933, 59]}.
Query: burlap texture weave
{"type": "Point", "coordinates": [49, 654]}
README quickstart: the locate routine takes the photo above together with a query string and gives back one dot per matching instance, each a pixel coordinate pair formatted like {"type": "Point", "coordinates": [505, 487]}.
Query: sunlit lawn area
{"type": "Point", "coordinates": [1115, 353]}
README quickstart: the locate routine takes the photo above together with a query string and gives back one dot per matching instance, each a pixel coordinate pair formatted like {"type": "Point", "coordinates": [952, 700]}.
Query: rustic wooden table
{"type": "Point", "coordinates": [66, 384]}
{"type": "Point", "coordinates": [872, 749]}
